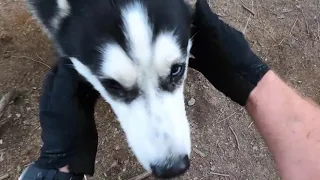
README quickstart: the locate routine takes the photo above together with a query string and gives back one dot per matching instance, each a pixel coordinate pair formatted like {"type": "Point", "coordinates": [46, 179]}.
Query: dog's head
{"type": "Point", "coordinates": [135, 53]}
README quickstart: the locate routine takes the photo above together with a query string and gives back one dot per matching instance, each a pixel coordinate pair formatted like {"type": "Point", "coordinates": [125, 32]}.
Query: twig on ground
{"type": "Point", "coordinates": [281, 42]}
{"type": "Point", "coordinates": [219, 174]}
{"type": "Point", "coordinates": [35, 128]}
{"type": "Point", "coordinates": [289, 31]}
{"type": "Point", "coordinates": [293, 26]}
{"type": "Point", "coordinates": [6, 99]}
{"type": "Point", "coordinates": [318, 26]}
{"type": "Point", "coordinates": [269, 11]}
{"type": "Point", "coordinates": [250, 124]}
{"type": "Point", "coordinates": [105, 175]}
{"type": "Point", "coordinates": [305, 20]}
{"type": "Point", "coordinates": [246, 8]}
{"type": "Point", "coordinates": [245, 27]}
{"type": "Point", "coordinates": [309, 32]}
{"type": "Point", "coordinates": [273, 39]}
{"type": "Point", "coordinates": [141, 176]}
{"type": "Point", "coordinates": [40, 57]}
{"type": "Point", "coordinates": [226, 118]}
{"type": "Point", "coordinates": [5, 176]}
{"type": "Point", "coordinates": [248, 20]}
{"type": "Point", "coordinates": [235, 135]}
{"type": "Point", "coordinates": [200, 153]}
{"type": "Point", "coordinates": [287, 10]}
{"type": "Point", "coordinates": [25, 57]}
{"type": "Point", "coordinates": [222, 15]}
{"type": "Point", "coordinates": [254, 44]}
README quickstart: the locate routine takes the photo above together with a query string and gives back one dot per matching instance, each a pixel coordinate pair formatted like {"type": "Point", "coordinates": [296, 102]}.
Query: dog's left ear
{"type": "Point", "coordinates": [191, 10]}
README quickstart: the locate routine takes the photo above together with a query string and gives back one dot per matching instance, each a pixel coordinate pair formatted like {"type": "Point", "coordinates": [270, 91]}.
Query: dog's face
{"type": "Point", "coordinates": [138, 62]}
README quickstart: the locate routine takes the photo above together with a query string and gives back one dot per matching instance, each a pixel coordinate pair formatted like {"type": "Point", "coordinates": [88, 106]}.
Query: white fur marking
{"type": "Point", "coordinates": [138, 32]}
{"type": "Point", "coordinates": [166, 53]}
{"type": "Point", "coordinates": [118, 66]}
{"type": "Point", "coordinates": [62, 12]}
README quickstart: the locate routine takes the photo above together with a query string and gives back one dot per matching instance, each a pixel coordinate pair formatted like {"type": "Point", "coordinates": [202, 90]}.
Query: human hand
{"type": "Point", "coordinates": [223, 55]}
{"type": "Point", "coordinates": [67, 120]}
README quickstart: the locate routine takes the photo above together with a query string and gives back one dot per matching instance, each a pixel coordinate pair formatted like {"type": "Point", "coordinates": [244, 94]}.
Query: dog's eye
{"type": "Point", "coordinates": [112, 84]}
{"type": "Point", "coordinates": [177, 70]}
{"type": "Point", "coordinates": [117, 91]}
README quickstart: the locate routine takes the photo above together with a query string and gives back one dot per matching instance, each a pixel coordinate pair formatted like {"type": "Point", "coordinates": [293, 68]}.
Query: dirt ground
{"type": "Point", "coordinates": [284, 33]}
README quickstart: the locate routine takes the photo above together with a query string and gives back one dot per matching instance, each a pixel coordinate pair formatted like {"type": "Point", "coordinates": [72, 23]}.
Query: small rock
{"type": "Point", "coordinates": [255, 148]}
{"type": "Point", "coordinates": [1, 141]}
{"type": "Point", "coordinates": [18, 169]}
{"type": "Point", "coordinates": [200, 153]}
{"type": "Point", "coordinates": [34, 88]}
{"type": "Point", "coordinates": [191, 102]}
{"type": "Point", "coordinates": [126, 161]}
{"type": "Point", "coordinates": [117, 148]}
{"type": "Point", "coordinates": [213, 168]}
{"type": "Point", "coordinates": [114, 164]}
{"type": "Point", "coordinates": [10, 115]}
{"type": "Point", "coordinates": [18, 115]}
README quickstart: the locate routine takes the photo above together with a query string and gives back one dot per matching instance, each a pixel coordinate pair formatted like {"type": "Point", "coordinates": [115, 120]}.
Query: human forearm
{"type": "Point", "coordinates": [290, 126]}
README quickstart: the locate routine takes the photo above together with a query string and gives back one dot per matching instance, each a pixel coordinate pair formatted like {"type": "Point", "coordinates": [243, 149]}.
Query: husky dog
{"type": "Point", "coordinates": [135, 53]}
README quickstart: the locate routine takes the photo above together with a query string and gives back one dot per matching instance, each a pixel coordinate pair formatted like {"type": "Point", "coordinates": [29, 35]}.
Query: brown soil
{"type": "Point", "coordinates": [296, 59]}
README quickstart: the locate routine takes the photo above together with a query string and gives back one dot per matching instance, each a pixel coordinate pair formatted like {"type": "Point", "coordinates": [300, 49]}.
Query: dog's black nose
{"type": "Point", "coordinates": [171, 168]}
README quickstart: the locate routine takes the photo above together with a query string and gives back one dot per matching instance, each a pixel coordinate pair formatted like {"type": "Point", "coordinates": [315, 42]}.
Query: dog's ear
{"type": "Point", "coordinates": [191, 8]}
{"type": "Point", "coordinates": [190, 13]}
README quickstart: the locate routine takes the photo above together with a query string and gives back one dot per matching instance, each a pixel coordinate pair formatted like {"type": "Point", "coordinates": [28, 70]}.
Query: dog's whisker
{"type": "Point", "coordinates": [195, 34]}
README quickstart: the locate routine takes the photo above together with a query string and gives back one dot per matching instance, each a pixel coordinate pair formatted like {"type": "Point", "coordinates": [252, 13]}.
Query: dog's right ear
{"type": "Point", "coordinates": [191, 9]}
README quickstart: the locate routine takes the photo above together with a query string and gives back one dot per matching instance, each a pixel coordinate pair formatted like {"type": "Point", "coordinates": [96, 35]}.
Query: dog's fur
{"type": "Point", "coordinates": [135, 53]}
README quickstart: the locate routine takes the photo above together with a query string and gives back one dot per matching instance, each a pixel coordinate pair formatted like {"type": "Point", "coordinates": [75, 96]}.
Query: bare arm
{"type": "Point", "coordinates": [290, 126]}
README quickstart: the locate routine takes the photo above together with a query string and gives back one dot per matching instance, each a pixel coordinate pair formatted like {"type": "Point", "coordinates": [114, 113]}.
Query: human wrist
{"type": "Point", "coordinates": [261, 90]}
